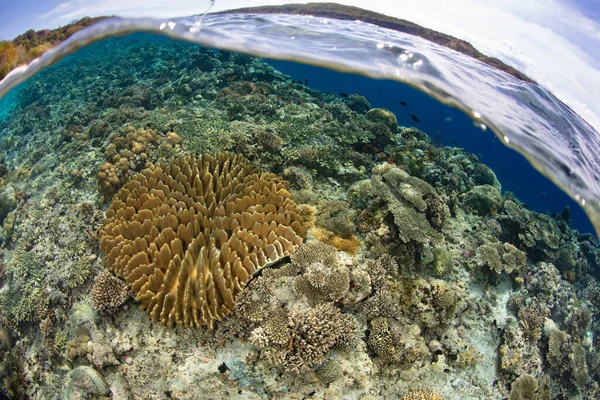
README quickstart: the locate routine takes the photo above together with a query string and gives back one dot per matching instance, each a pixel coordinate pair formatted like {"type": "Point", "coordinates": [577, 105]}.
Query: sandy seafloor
{"type": "Point", "coordinates": [418, 278]}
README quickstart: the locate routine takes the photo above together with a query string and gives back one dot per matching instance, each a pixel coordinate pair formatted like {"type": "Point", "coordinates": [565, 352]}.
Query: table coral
{"type": "Point", "coordinates": [187, 236]}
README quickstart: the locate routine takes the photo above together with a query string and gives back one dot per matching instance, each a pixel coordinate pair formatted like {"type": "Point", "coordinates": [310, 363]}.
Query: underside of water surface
{"type": "Point", "coordinates": [187, 222]}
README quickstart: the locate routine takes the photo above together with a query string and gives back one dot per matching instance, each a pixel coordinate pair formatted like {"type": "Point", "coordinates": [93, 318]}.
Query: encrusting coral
{"type": "Point", "coordinates": [187, 236]}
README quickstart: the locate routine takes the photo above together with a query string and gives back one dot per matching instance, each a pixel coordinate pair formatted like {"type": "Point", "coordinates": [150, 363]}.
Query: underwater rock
{"type": "Point", "coordinates": [229, 222]}
{"type": "Point", "coordinates": [83, 382]}
{"type": "Point", "coordinates": [484, 199]}
{"type": "Point", "coordinates": [384, 116]}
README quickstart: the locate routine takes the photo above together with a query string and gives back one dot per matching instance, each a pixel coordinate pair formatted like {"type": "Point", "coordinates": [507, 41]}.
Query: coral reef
{"type": "Point", "coordinates": [398, 268]}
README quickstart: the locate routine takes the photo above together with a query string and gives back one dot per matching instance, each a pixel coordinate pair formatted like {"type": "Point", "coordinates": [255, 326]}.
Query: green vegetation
{"type": "Point", "coordinates": [33, 44]}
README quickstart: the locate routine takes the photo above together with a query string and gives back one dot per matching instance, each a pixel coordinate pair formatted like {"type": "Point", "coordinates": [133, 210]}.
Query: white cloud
{"type": "Point", "coordinates": [551, 42]}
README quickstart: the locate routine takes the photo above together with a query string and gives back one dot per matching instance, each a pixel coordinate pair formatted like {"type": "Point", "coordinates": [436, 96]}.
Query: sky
{"type": "Point", "coordinates": [555, 42]}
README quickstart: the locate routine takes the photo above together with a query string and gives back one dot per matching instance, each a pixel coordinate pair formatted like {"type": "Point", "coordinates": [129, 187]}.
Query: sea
{"type": "Point", "coordinates": [283, 206]}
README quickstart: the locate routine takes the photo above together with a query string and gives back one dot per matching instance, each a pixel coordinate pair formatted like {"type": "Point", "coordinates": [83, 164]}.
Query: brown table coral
{"type": "Point", "coordinates": [188, 236]}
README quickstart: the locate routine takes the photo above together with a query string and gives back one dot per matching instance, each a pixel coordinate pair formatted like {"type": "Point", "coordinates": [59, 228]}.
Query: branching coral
{"type": "Point", "coordinates": [108, 293]}
{"type": "Point", "coordinates": [321, 277]}
{"type": "Point", "coordinates": [538, 233]}
{"type": "Point", "coordinates": [394, 343]}
{"type": "Point", "coordinates": [531, 320]}
{"type": "Point", "coordinates": [26, 278]}
{"type": "Point", "coordinates": [422, 394]}
{"type": "Point", "coordinates": [484, 199]}
{"type": "Point", "coordinates": [322, 283]}
{"type": "Point", "coordinates": [187, 236]}
{"type": "Point", "coordinates": [299, 340]}
{"type": "Point", "coordinates": [127, 154]}
{"type": "Point", "coordinates": [434, 302]}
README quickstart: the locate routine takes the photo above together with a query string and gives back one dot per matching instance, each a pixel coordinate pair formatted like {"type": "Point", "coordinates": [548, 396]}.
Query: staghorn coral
{"type": "Point", "coordinates": [187, 236]}
{"type": "Point", "coordinates": [109, 293]}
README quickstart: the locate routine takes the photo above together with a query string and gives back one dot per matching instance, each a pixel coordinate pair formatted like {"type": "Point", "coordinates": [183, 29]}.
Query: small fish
{"type": "Point", "coordinates": [305, 81]}
{"type": "Point", "coordinates": [403, 103]}
{"type": "Point", "coordinates": [414, 118]}
{"type": "Point", "coordinates": [343, 94]}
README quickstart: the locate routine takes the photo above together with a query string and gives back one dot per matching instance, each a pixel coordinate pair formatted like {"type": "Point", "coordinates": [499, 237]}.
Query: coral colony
{"type": "Point", "coordinates": [247, 236]}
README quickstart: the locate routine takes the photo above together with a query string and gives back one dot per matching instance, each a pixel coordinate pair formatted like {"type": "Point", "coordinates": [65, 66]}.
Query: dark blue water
{"type": "Point", "coordinates": [449, 127]}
